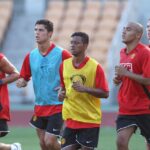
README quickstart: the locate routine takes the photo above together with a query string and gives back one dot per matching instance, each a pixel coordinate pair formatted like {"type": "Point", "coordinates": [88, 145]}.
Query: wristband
{"type": "Point", "coordinates": [1, 81]}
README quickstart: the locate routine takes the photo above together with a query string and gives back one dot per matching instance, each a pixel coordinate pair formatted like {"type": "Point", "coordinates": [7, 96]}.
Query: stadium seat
{"type": "Point", "coordinates": [98, 19]}
{"type": "Point", "coordinates": [55, 12]}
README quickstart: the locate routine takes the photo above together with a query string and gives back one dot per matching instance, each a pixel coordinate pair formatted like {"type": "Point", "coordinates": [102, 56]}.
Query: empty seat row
{"type": "Point", "coordinates": [98, 19]}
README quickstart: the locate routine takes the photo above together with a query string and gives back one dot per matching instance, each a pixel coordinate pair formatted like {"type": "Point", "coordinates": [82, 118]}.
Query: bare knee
{"type": "Point", "coordinates": [148, 146]}
{"type": "Point", "coordinates": [51, 142]}
{"type": "Point", "coordinates": [86, 148]}
{"type": "Point", "coordinates": [42, 144]}
{"type": "Point", "coordinates": [122, 143]}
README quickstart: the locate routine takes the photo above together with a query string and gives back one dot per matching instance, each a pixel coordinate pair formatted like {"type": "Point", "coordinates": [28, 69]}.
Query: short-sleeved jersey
{"type": "Point", "coordinates": [43, 70]}
{"type": "Point", "coordinates": [132, 98]}
{"type": "Point", "coordinates": [82, 109]}
{"type": "Point", "coordinates": [4, 97]}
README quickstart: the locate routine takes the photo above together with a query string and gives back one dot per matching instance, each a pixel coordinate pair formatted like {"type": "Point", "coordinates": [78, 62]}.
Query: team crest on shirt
{"type": "Point", "coordinates": [34, 118]}
{"type": "Point", "coordinates": [63, 141]}
{"type": "Point", "coordinates": [132, 55]}
{"type": "Point", "coordinates": [78, 78]}
{"type": "Point", "coordinates": [128, 66]}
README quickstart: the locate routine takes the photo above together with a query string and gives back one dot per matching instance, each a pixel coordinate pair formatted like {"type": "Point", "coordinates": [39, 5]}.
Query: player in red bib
{"type": "Point", "coordinates": [8, 74]}
{"type": "Point", "coordinates": [133, 74]}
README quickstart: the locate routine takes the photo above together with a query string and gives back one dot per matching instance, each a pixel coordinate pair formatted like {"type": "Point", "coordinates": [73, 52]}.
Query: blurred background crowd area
{"type": "Point", "coordinates": [103, 20]}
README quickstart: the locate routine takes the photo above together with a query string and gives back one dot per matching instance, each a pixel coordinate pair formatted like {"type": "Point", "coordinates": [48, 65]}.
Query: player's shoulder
{"type": "Point", "coordinates": [67, 60]}
{"type": "Point", "coordinates": [94, 61]}
{"type": "Point", "coordinates": [1, 56]}
{"type": "Point", "coordinates": [123, 50]}
{"type": "Point", "coordinates": [143, 49]}
{"type": "Point", "coordinates": [58, 47]}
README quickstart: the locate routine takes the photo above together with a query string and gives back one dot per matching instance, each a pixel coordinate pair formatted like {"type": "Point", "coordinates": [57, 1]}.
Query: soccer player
{"type": "Point", "coordinates": [148, 30]}
{"type": "Point", "coordinates": [83, 84]}
{"type": "Point", "coordinates": [133, 74]}
{"type": "Point", "coordinates": [8, 74]}
{"type": "Point", "coordinates": [42, 64]}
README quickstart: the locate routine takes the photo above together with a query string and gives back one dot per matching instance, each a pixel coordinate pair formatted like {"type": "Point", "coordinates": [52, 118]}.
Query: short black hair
{"type": "Point", "coordinates": [83, 35]}
{"type": "Point", "coordinates": [48, 24]}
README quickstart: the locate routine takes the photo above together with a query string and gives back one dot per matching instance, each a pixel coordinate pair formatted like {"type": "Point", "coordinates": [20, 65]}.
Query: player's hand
{"type": "Point", "coordinates": [57, 88]}
{"type": "Point", "coordinates": [78, 87]}
{"type": "Point", "coordinates": [61, 94]}
{"type": "Point", "coordinates": [21, 83]}
{"type": "Point", "coordinates": [117, 80]}
{"type": "Point", "coordinates": [120, 71]}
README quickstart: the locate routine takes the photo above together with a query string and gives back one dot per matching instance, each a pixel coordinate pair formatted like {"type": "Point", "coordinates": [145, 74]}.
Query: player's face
{"type": "Point", "coordinates": [148, 30]}
{"type": "Point", "coordinates": [77, 46]}
{"type": "Point", "coordinates": [129, 34]}
{"type": "Point", "coordinates": [41, 34]}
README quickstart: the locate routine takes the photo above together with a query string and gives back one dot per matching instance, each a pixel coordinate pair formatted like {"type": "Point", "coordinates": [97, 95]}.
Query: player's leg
{"type": "Point", "coordinates": [53, 129]}
{"type": "Point", "coordinates": [4, 146]}
{"type": "Point", "coordinates": [3, 132]}
{"type": "Point", "coordinates": [41, 135]}
{"type": "Point", "coordinates": [123, 137]}
{"type": "Point", "coordinates": [148, 146]}
{"type": "Point", "coordinates": [126, 126]}
{"type": "Point", "coordinates": [144, 125]}
{"type": "Point", "coordinates": [68, 141]}
{"type": "Point", "coordinates": [87, 148]}
{"type": "Point", "coordinates": [14, 146]}
{"type": "Point", "coordinates": [3, 128]}
{"type": "Point", "coordinates": [39, 123]}
{"type": "Point", "coordinates": [88, 138]}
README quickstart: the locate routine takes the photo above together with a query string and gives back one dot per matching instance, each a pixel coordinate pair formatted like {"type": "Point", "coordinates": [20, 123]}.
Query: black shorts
{"type": "Point", "coordinates": [3, 128]}
{"type": "Point", "coordinates": [87, 137]}
{"type": "Point", "coordinates": [51, 124]}
{"type": "Point", "coordinates": [140, 121]}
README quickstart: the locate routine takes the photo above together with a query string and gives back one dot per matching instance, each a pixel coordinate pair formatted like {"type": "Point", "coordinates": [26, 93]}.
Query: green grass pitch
{"type": "Point", "coordinates": [27, 137]}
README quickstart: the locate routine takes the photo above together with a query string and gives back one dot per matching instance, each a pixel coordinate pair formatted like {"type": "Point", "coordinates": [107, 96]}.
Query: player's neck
{"type": "Point", "coordinates": [78, 60]}
{"type": "Point", "coordinates": [43, 48]}
{"type": "Point", "coordinates": [131, 46]}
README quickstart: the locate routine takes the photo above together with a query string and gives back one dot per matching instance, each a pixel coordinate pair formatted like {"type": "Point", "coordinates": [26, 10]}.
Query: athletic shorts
{"type": "Point", "coordinates": [139, 121]}
{"type": "Point", "coordinates": [51, 124]}
{"type": "Point", "coordinates": [87, 137]}
{"type": "Point", "coordinates": [3, 128]}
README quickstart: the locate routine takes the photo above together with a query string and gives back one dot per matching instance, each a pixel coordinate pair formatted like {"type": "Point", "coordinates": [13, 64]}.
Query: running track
{"type": "Point", "coordinates": [21, 118]}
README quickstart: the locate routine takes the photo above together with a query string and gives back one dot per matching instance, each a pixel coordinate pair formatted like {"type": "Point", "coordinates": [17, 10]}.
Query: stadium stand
{"type": "Point", "coordinates": [70, 21]}
{"type": "Point", "coordinates": [55, 12]}
{"type": "Point", "coordinates": [6, 7]}
{"type": "Point", "coordinates": [97, 18]}
{"type": "Point", "coordinates": [90, 17]}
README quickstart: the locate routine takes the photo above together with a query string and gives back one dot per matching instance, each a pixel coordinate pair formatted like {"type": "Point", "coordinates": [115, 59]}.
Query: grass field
{"type": "Point", "coordinates": [27, 137]}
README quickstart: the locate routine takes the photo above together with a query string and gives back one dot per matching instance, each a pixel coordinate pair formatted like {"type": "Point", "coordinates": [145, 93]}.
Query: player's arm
{"type": "Point", "coordinates": [121, 71]}
{"type": "Point", "coordinates": [21, 82]}
{"type": "Point", "coordinates": [62, 94]}
{"type": "Point", "coordinates": [93, 91]}
{"type": "Point", "coordinates": [62, 91]}
{"type": "Point", "coordinates": [117, 80]}
{"type": "Point", "coordinates": [65, 55]}
{"type": "Point", "coordinates": [101, 87]}
{"type": "Point", "coordinates": [7, 67]}
{"type": "Point", "coordinates": [144, 77]}
{"type": "Point", "coordinates": [25, 73]}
